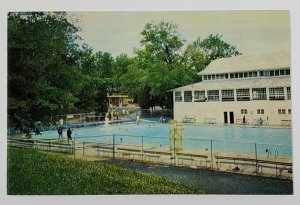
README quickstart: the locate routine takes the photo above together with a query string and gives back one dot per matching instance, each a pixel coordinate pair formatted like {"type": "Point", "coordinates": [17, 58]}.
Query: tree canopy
{"type": "Point", "coordinates": [164, 63]}
{"type": "Point", "coordinates": [49, 74]}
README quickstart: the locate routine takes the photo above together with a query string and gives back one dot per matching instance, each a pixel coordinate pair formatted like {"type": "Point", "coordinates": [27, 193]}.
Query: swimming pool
{"type": "Point", "coordinates": [232, 139]}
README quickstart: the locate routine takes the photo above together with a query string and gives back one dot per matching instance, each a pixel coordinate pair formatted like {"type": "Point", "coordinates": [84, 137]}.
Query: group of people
{"type": "Point", "coordinates": [60, 133]}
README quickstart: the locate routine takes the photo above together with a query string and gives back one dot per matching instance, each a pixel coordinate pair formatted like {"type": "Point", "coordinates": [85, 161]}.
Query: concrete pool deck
{"type": "Point", "coordinates": [247, 164]}
{"type": "Point", "coordinates": [279, 167]}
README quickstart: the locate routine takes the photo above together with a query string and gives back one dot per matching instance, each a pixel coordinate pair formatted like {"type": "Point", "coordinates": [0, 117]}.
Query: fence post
{"type": "Point", "coordinates": [74, 147]}
{"type": "Point", "coordinates": [256, 165]}
{"type": "Point", "coordinates": [142, 148]}
{"type": "Point", "coordinates": [174, 151]}
{"type": "Point", "coordinates": [211, 155]}
{"type": "Point", "coordinates": [82, 148]}
{"type": "Point", "coordinates": [113, 146]}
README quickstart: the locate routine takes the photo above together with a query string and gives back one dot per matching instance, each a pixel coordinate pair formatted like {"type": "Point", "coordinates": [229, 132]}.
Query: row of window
{"type": "Point", "coordinates": [262, 111]}
{"type": "Point", "coordinates": [228, 95]}
{"type": "Point", "coordinates": [250, 74]}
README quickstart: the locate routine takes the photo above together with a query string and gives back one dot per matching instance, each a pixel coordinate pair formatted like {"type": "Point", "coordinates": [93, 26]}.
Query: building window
{"type": "Point", "coordinates": [227, 95]}
{"type": "Point", "coordinates": [178, 97]}
{"type": "Point", "coordinates": [276, 93]}
{"type": "Point", "coordinates": [188, 96]}
{"type": "Point", "coordinates": [289, 111]}
{"type": "Point", "coordinates": [281, 111]}
{"type": "Point", "coordinates": [287, 72]}
{"type": "Point", "coordinates": [288, 90]}
{"type": "Point", "coordinates": [205, 77]}
{"type": "Point", "coordinates": [259, 94]}
{"type": "Point", "coordinates": [243, 111]}
{"type": "Point", "coordinates": [260, 111]}
{"type": "Point", "coordinates": [213, 95]}
{"type": "Point", "coordinates": [243, 94]}
{"type": "Point", "coordinates": [264, 73]}
{"type": "Point", "coordinates": [231, 75]}
{"type": "Point", "coordinates": [199, 96]}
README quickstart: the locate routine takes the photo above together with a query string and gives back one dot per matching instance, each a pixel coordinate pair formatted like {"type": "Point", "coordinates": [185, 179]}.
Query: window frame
{"type": "Point", "coordinates": [276, 93]}
{"type": "Point", "coordinates": [243, 96]}
{"type": "Point", "coordinates": [227, 95]}
{"type": "Point", "coordinates": [188, 98]}
{"type": "Point", "coordinates": [176, 97]}
{"type": "Point", "coordinates": [259, 94]}
{"type": "Point", "coordinates": [199, 97]}
{"type": "Point", "coordinates": [214, 96]}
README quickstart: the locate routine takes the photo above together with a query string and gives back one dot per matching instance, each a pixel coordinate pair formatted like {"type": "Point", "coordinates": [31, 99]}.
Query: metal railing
{"type": "Point", "coordinates": [255, 158]}
{"type": "Point", "coordinates": [202, 153]}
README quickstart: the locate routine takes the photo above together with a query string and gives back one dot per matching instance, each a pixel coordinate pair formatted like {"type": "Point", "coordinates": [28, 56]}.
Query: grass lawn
{"type": "Point", "coordinates": [31, 172]}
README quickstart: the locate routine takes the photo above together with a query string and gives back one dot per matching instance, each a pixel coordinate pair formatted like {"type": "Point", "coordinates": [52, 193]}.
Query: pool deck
{"type": "Point", "coordinates": [279, 167]}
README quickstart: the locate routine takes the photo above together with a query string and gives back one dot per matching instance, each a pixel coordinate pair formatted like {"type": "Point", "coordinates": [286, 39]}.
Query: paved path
{"type": "Point", "coordinates": [214, 182]}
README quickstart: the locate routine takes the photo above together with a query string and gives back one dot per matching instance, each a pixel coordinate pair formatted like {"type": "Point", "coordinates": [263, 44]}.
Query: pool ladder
{"type": "Point", "coordinates": [269, 152]}
{"type": "Point", "coordinates": [275, 152]}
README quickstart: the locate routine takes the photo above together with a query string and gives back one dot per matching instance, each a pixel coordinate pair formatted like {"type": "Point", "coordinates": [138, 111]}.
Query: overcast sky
{"type": "Point", "coordinates": [250, 31]}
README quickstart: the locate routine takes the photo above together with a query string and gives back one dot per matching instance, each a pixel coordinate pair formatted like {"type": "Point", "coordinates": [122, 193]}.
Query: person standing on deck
{"type": "Point", "coordinates": [244, 120]}
{"type": "Point", "coordinates": [60, 131]}
{"type": "Point", "coordinates": [69, 134]}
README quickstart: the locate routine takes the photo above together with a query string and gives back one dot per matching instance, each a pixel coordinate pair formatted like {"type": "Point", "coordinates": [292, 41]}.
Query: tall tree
{"type": "Point", "coordinates": [41, 69]}
{"type": "Point", "coordinates": [161, 58]}
{"type": "Point", "coordinates": [104, 63]}
{"type": "Point", "coordinates": [163, 42]}
{"type": "Point", "coordinates": [120, 67]}
{"type": "Point", "coordinates": [214, 47]}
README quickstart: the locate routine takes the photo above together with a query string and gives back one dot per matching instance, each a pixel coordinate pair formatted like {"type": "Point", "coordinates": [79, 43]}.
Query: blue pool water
{"type": "Point", "coordinates": [204, 137]}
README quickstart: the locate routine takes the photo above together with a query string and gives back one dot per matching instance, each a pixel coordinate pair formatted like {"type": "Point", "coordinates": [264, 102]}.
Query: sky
{"type": "Point", "coordinates": [251, 32]}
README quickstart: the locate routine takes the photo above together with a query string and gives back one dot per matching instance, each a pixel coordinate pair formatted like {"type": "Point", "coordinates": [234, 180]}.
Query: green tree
{"type": "Point", "coordinates": [42, 75]}
{"type": "Point", "coordinates": [214, 47]}
{"type": "Point", "coordinates": [163, 63]}
{"type": "Point", "coordinates": [104, 62]}
{"type": "Point", "coordinates": [162, 42]}
{"type": "Point", "coordinates": [193, 58]}
{"type": "Point", "coordinates": [120, 67]}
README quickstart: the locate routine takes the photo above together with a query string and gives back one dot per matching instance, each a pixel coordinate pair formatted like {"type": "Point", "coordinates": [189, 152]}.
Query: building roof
{"type": "Point", "coordinates": [117, 96]}
{"type": "Point", "coordinates": [245, 63]}
{"type": "Point", "coordinates": [263, 82]}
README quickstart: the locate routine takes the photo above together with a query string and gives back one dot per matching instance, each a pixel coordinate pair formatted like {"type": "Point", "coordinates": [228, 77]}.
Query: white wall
{"type": "Point", "coordinates": [204, 112]}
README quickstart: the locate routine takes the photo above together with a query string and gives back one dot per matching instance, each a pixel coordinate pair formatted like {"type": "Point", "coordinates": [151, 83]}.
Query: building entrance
{"type": "Point", "coordinates": [225, 118]}
{"type": "Point", "coordinates": [231, 117]}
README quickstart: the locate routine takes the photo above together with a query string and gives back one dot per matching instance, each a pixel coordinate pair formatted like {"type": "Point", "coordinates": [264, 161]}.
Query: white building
{"type": "Point", "coordinates": [251, 89]}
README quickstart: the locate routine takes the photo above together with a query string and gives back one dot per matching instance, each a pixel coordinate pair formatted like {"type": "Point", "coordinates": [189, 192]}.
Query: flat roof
{"type": "Point", "coordinates": [117, 96]}
{"type": "Point", "coordinates": [240, 83]}
{"type": "Point", "coordinates": [243, 63]}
